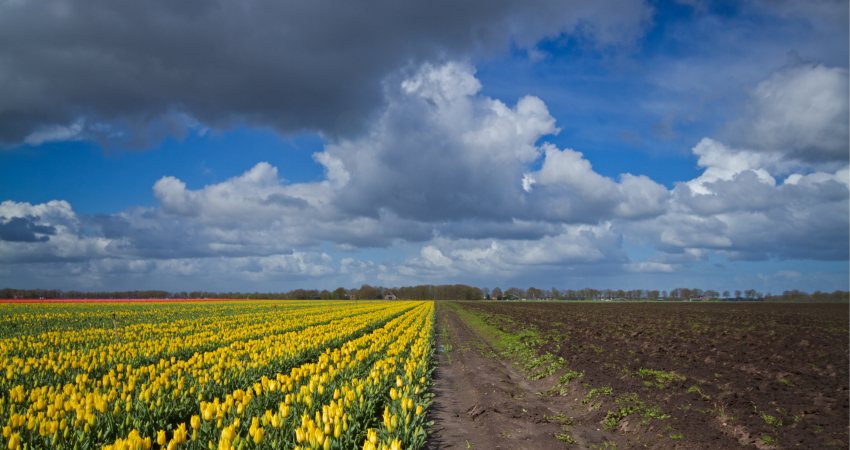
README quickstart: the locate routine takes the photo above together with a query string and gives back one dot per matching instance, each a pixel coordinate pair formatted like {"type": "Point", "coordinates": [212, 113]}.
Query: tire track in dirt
{"type": "Point", "coordinates": [481, 401]}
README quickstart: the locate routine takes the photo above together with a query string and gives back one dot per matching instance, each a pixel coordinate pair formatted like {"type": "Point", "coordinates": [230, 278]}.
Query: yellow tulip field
{"type": "Point", "coordinates": [215, 375]}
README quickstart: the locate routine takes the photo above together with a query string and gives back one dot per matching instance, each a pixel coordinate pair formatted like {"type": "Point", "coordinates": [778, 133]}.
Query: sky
{"type": "Point", "coordinates": [268, 145]}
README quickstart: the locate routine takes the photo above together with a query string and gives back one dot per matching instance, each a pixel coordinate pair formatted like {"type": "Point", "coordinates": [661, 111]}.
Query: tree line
{"type": "Point", "coordinates": [677, 294]}
{"type": "Point", "coordinates": [364, 292]}
{"type": "Point", "coordinates": [447, 292]}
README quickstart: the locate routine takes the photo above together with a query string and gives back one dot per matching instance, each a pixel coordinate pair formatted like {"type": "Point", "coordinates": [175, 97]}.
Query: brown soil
{"type": "Point", "coordinates": [481, 401]}
{"type": "Point", "coordinates": [744, 375]}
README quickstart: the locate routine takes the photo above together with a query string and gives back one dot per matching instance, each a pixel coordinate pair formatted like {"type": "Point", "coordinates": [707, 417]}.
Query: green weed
{"type": "Point", "coordinates": [588, 399]}
{"type": "Point", "coordinates": [565, 379]}
{"type": "Point", "coordinates": [661, 378]}
{"type": "Point", "coordinates": [628, 405]}
{"type": "Point", "coordinates": [696, 390]}
{"type": "Point", "coordinates": [604, 390]}
{"type": "Point", "coordinates": [560, 418]}
{"type": "Point", "coordinates": [771, 420]}
{"type": "Point", "coordinates": [446, 344]}
{"type": "Point", "coordinates": [566, 437]}
{"type": "Point", "coordinates": [785, 382]}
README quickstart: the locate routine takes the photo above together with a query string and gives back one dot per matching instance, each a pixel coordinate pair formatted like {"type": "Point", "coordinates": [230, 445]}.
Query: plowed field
{"type": "Point", "coordinates": [650, 375]}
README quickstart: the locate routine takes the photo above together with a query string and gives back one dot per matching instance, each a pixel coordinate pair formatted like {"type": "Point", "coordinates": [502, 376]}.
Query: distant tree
{"type": "Point", "coordinates": [496, 294]}
{"type": "Point", "coordinates": [534, 293]}
{"type": "Point", "coordinates": [588, 294]}
{"type": "Point", "coordinates": [367, 292]}
{"type": "Point", "coordinates": [515, 293]}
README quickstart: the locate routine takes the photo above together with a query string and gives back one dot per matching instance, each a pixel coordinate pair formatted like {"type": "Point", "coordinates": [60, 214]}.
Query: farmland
{"type": "Point", "coordinates": [248, 374]}
{"type": "Point", "coordinates": [642, 375]}
{"type": "Point", "coordinates": [406, 374]}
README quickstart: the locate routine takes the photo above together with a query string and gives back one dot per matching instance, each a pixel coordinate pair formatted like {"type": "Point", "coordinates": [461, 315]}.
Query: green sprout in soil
{"type": "Point", "coordinates": [676, 436]}
{"type": "Point", "coordinates": [563, 381]}
{"type": "Point", "coordinates": [722, 414]}
{"type": "Point", "coordinates": [673, 434]}
{"type": "Point", "coordinates": [542, 366]}
{"type": "Point", "coordinates": [696, 390]}
{"type": "Point", "coordinates": [604, 390]}
{"type": "Point", "coordinates": [596, 348]}
{"type": "Point", "coordinates": [628, 405]}
{"type": "Point", "coordinates": [662, 379]}
{"type": "Point", "coordinates": [560, 418]}
{"type": "Point", "coordinates": [771, 420]}
{"type": "Point", "coordinates": [566, 421]}
{"type": "Point", "coordinates": [570, 376]}
{"type": "Point", "coordinates": [446, 343]}
{"type": "Point", "coordinates": [566, 437]}
{"type": "Point", "coordinates": [767, 439]}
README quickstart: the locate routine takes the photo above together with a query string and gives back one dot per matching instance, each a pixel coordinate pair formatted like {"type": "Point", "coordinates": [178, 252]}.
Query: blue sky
{"type": "Point", "coordinates": [582, 144]}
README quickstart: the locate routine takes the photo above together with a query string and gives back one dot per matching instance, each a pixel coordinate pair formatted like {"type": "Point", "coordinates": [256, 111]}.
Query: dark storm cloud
{"type": "Point", "coordinates": [285, 200]}
{"type": "Point", "coordinates": [24, 229]}
{"type": "Point", "coordinates": [289, 65]}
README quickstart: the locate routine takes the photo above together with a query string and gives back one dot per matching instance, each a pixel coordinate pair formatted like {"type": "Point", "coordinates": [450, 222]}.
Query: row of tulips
{"type": "Point", "coordinates": [136, 345]}
{"type": "Point", "coordinates": [328, 404]}
{"type": "Point", "coordinates": [23, 319]}
{"type": "Point", "coordinates": [145, 401]}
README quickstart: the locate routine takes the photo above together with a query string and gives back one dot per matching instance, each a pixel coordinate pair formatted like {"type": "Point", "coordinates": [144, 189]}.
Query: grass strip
{"type": "Point", "coordinates": [521, 346]}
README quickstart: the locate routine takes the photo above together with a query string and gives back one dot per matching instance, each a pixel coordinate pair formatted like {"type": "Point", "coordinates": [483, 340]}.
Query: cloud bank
{"type": "Point", "coordinates": [471, 187]}
{"type": "Point", "coordinates": [126, 71]}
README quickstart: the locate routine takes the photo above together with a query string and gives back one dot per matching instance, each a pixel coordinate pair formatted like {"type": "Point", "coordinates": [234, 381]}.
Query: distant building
{"type": "Point", "coordinates": [390, 296]}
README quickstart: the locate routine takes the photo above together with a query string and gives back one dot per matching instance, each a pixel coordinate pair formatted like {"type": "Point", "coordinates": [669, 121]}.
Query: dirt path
{"type": "Point", "coordinates": [481, 401]}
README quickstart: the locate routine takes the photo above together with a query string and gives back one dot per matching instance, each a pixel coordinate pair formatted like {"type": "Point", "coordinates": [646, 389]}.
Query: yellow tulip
{"type": "Point", "coordinates": [14, 441]}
